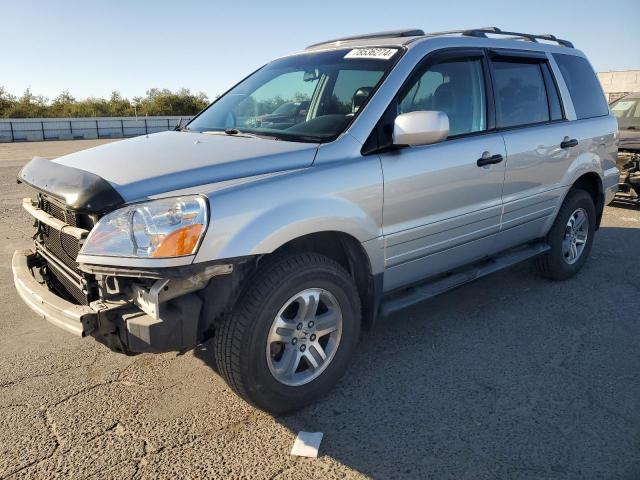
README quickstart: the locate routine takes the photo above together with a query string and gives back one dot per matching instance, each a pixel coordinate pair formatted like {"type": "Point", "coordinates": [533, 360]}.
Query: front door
{"type": "Point", "coordinates": [442, 202]}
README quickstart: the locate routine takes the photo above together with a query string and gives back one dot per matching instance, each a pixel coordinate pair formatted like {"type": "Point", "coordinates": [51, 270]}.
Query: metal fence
{"type": "Point", "coordinates": [39, 129]}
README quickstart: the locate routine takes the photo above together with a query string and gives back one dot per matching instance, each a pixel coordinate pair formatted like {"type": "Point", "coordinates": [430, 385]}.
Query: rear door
{"type": "Point", "coordinates": [441, 205]}
{"type": "Point", "coordinates": [539, 141]}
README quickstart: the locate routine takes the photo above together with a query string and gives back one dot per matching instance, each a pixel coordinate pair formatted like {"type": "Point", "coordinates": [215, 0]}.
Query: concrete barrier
{"type": "Point", "coordinates": [39, 129]}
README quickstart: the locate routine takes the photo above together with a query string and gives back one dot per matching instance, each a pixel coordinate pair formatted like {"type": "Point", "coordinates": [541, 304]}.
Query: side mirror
{"type": "Point", "coordinates": [420, 128]}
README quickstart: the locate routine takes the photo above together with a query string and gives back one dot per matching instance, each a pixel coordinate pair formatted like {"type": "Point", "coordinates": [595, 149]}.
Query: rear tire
{"type": "Point", "coordinates": [257, 346]}
{"type": "Point", "coordinates": [570, 237]}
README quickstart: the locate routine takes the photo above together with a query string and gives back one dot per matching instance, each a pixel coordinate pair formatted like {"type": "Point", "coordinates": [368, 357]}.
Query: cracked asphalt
{"type": "Point", "coordinates": [512, 376]}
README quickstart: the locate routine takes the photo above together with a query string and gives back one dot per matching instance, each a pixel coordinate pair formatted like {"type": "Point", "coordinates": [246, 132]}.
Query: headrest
{"type": "Point", "coordinates": [444, 98]}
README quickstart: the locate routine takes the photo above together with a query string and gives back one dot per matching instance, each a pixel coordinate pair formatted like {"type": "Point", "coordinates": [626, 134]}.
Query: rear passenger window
{"type": "Point", "coordinates": [584, 88]}
{"type": "Point", "coordinates": [520, 93]}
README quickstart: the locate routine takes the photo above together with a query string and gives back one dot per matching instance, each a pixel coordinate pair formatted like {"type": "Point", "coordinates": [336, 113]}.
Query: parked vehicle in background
{"type": "Point", "coordinates": [627, 113]}
{"type": "Point", "coordinates": [423, 161]}
{"type": "Point", "coordinates": [286, 115]}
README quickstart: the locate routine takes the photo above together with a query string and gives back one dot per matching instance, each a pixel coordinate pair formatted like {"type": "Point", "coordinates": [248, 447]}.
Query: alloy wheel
{"type": "Point", "coordinates": [575, 236]}
{"type": "Point", "coordinates": [304, 337]}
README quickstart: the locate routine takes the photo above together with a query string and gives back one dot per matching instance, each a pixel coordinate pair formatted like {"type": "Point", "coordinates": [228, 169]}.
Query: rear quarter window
{"type": "Point", "coordinates": [584, 88]}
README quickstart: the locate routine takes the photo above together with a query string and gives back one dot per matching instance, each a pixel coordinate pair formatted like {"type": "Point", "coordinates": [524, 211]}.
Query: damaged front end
{"type": "Point", "coordinates": [128, 307]}
{"type": "Point", "coordinates": [132, 311]}
{"type": "Point", "coordinates": [164, 306]}
{"type": "Point", "coordinates": [629, 185]}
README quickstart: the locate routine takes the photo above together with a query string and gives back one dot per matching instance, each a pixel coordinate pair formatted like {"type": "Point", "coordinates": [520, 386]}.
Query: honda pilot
{"type": "Point", "coordinates": [410, 164]}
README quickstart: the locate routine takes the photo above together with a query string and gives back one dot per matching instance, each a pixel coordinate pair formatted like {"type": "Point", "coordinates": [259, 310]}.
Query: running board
{"type": "Point", "coordinates": [431, 288]}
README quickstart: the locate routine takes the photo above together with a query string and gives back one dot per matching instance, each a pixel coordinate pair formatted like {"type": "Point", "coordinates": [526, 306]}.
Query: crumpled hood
{"type": "Point", "coordinates": [162, 162]}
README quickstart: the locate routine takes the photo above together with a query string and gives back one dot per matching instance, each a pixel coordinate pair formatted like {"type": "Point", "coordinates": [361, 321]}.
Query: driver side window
{"type": "Point", "coordinates": [455, 87]}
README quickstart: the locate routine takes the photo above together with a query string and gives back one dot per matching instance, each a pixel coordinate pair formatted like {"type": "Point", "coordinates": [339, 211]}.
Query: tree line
{"type": "Point", "coordinates": [155, 102]}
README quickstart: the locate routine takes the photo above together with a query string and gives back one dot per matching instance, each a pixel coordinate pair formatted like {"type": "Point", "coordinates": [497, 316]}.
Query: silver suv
{"type": "Point", "coordinates": [419, 162]}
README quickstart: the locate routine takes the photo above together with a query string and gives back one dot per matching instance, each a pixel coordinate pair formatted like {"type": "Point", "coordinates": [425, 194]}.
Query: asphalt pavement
{"type": "Point", "coordinates": [512, 376]}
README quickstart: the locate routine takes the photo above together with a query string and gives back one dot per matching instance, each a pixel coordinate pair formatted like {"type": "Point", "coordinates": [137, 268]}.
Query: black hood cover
{"type": "Point", "coordinates": [80, 190]}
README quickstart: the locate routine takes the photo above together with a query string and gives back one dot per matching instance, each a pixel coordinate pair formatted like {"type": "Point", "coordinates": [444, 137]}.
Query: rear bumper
{"type": "Point", "coordinates": [610, 184]}
{"type": "Point", "coordinates": [77, 319]}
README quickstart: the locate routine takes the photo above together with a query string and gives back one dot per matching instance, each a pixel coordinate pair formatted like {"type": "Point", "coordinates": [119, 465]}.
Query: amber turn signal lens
{"type": "Point", "coordinates": [180, 242]}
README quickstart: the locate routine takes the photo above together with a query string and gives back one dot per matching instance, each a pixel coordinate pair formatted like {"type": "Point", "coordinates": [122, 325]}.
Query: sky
{"type": "Point", "coordinates": [93, 47]}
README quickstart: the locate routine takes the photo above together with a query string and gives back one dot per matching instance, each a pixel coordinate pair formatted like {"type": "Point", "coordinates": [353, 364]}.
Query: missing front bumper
{"type": "Point", "coordinates": [121, 325]}
{"type": "Point", "coordinates": [80, 320]}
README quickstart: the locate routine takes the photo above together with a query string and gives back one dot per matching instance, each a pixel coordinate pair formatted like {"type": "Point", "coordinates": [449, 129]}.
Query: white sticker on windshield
{"type": "Point", "coordinates": [375, 52]}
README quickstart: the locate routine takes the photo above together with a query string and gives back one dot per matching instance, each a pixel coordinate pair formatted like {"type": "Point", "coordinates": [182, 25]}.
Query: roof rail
{"type": "Point", "coordinates": [413, 32]}
{"type": "Point", "coordinates": [483, 31]}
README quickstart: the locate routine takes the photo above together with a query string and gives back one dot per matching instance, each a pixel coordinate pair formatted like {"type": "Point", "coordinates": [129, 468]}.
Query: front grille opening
{"type": "Point", "coordinates": [65, 288]}
{"type": "Point", "coordinates": [81, 289]}
{"type": "Point", "coordinates": [63, 246]}
{"type": "Point", "coordinates": [59, 251]}
{"type": "Point", "coordinates": [56, 210]}
{"type": "Point", "coordinates": [70, 289]}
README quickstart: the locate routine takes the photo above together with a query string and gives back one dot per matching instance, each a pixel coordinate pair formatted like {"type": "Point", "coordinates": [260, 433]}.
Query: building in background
{"type": "Point", "coordinates": [618, 84]}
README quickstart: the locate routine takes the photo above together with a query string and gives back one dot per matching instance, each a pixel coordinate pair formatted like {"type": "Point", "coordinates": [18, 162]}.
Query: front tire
{"type": "Point", "coordinates": [292, 332]}
{"type": "Point", "coordinates": [570, 237]}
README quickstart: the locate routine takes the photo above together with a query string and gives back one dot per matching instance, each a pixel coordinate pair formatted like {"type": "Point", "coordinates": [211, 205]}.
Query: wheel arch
{"type": "Point", "coordinates": [591, 183]}
{"type": "Point", "coordinates": [348, 252]}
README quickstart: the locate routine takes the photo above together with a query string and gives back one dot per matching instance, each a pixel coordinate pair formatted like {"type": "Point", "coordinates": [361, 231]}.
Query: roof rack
{"type": "Point", "coordinates": [482, 32]}
{"type": "Point", "coordinates": [413, 32]}
{"type": "Point", "coordinates": [473, 32]}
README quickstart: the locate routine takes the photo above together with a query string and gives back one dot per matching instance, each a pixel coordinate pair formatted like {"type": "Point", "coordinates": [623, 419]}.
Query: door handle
{"type": "Point", "coordinates": [568, 142]}
{"type": "Point", "coordinates": [488, 159]}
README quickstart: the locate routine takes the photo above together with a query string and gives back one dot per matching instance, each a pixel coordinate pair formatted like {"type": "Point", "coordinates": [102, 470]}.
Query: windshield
{"type": "Point", "coordinates": [312, 97]}
{"type": "Point", "coordinates": [627, 112]}
{"type": "Point", "coordinates": [288, 108]}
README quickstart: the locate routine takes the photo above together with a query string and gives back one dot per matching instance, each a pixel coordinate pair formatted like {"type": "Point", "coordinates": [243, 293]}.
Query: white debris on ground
{"type": "Point", "coordinates": [307, 444]}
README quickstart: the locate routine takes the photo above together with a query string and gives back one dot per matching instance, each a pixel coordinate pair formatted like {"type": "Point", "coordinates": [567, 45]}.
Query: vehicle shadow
{"type": "Point", "coordinates": [512, 376]}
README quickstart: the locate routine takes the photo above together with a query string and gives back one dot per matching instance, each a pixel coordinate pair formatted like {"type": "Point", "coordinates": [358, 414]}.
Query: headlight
{"type": "Point", "coordinates": [169, 227]}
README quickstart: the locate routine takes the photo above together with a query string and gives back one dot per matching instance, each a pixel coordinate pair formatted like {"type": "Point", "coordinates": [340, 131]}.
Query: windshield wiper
{"type": "Point", "coordinates": [296, 137]}
{"type": "Point", "coordinates": [179, 127]}
{"type": "Point", "coordinates": [234, 132]}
